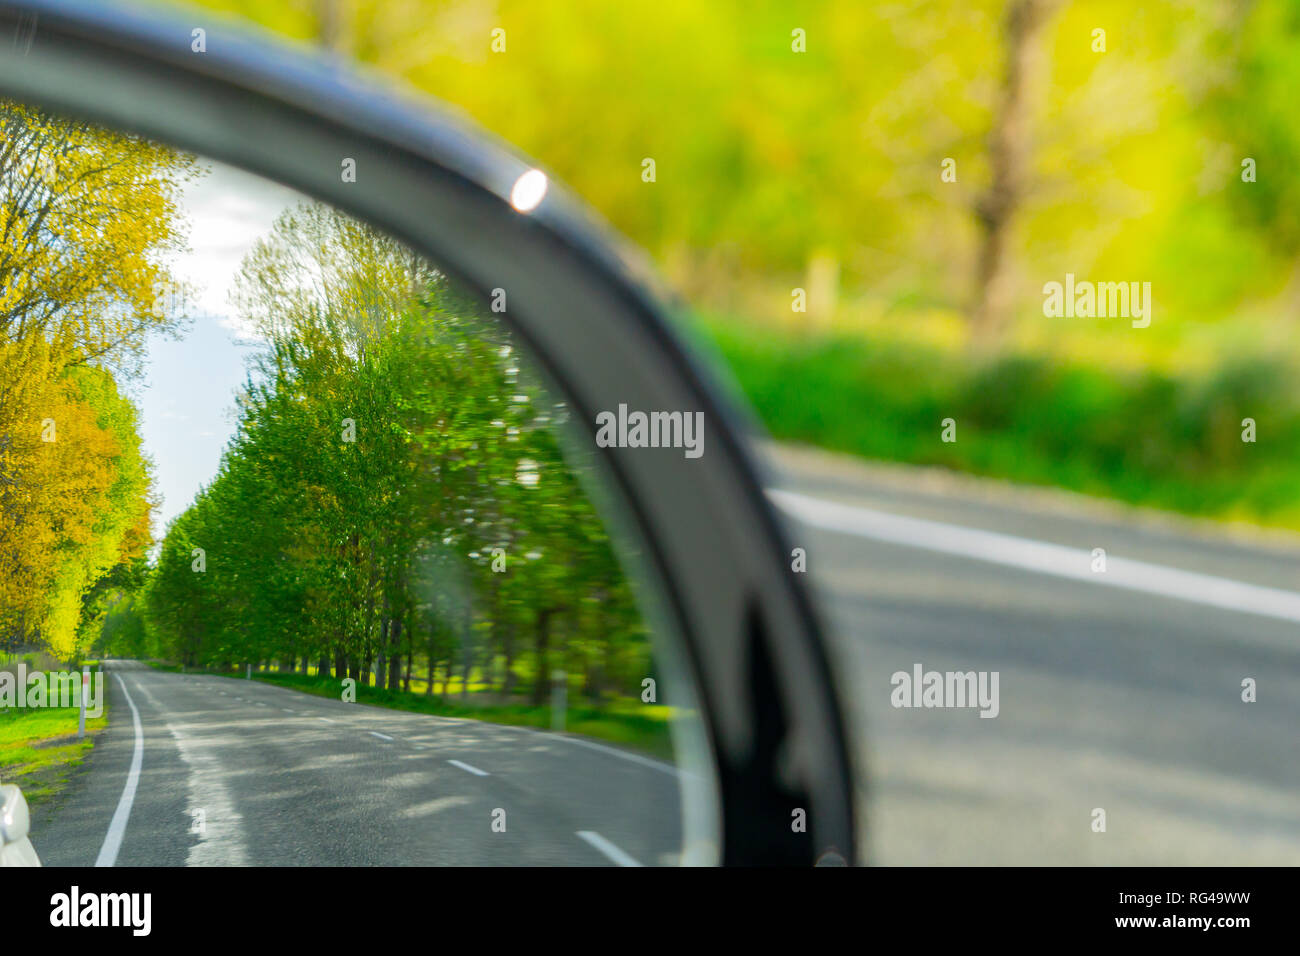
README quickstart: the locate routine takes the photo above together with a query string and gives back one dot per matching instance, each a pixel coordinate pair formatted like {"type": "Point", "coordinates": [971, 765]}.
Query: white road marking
{"type": "Point", "coordinates": [1041, 557]}
{"type": "Point", "coordinates": [326, 719]}
{"type": "Point", "coordinates": [288, 711]}
{"type": "Point", "coordinates": [635, 758]}
{"type": "Point", "coordinates": [117, 826]}
{"type": "Point", "coordinates": [581, 742]}
{"type": "Point", "coordinates": [221, 841]}
{"type": "Point", "coordinates": [375, 733]}
{"type": "Point", "coordinates": [607, 848]}
{"type": "Point", "coordinates": [474, 770]}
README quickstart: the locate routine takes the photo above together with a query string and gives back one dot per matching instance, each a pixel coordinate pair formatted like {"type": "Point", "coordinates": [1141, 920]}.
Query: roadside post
{"type": "Point", "coordinates": [85, 691]}
{"type": "Point", "coordinates": [559, 699]}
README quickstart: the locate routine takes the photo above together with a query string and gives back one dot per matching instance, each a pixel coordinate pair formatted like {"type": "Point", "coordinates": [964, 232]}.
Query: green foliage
{"type": "Point", "coordinates": [1152, 438]}
{"type": "Point", "coordinates": [390, 440]}
{"type": "Point", "coordinates": [769, 159]}
{"type": "Point", "coordinates": [766, 156]}
{"type": "Point", "coordinates": [122, 631]}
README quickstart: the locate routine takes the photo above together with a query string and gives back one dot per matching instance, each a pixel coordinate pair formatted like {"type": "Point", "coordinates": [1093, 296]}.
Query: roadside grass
{"type": "Point", "coordinates": [30, 758]}
{"type": "Point", "coordinates": [1151, 436]}
{"type": "Point", "coordinates": [169, 667]}
{"type": "Point", "coordinates": [623, 721]}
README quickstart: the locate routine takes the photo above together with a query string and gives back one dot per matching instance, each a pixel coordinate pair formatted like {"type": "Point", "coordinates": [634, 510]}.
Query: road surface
{"type": "Point", "coordinates": [1120, 690]}
{"type": "Point", "coordinates": [1118, 698]}
{"type": "Point", "coordinates": [287, 779]}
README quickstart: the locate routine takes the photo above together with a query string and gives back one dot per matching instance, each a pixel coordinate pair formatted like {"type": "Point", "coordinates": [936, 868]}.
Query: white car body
{"type": "Point", "coordinates": [15, 848]}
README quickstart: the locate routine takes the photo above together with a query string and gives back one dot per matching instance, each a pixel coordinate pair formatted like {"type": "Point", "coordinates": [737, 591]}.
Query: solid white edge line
{"type": "Point", "coordinates": [117, 826]}
{"type": "Point", "coordinates": [474, 770]}
{"type": "Point", "coordinates": [615, 854]}
{"type": "Point", "coordinates": [1041, 557]}
{"type": "Point", "coordinates": [613, 751]}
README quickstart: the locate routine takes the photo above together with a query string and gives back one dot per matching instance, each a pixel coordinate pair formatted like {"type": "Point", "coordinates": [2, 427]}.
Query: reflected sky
{"type": "Point", "coordinates": [186, 398]}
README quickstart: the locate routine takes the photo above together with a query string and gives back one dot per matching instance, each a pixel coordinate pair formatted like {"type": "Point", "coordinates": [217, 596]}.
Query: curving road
{"type": "Point", "coordinates": [283, 778]}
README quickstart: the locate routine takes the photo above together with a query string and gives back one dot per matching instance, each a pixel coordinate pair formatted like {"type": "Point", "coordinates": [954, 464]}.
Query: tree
{"type": "Point", "coordinates": [392, 448]}
{"type": "Point", "coordinates": [87, 220]}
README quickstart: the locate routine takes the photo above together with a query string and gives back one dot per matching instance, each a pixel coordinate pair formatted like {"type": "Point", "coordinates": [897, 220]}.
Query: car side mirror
{"type": "Point", "coordinates": [710, 543]}
{"type": "Point", "coordinates": [15, 848]}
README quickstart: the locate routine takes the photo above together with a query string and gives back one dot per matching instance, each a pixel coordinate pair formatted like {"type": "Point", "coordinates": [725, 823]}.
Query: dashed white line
{"type": "Point", "coordinates": [326, 719]}
{"type": "Point", "coordinates": [611, 851]}
{"type": "Point", "coordinates": [288, 711]}
{"type": "Point", "coordinates": [117, 826]}
{"type": "Point", "coordinates": [464, 766]}
{"type": "Point", "coordinates": [375, 733]}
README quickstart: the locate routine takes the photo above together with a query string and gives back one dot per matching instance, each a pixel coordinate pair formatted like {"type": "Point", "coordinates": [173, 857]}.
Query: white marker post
{"type": "Point", "coordinates": [248, 675]}
{"type": "Point", "coordinates": [559, 699]}
{"type": "Point", "coordinates": [85, 691]}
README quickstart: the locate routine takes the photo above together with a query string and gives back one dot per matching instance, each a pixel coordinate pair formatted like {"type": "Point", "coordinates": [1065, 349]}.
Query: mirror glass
{"type": "Point", "coordinates": [307, 509]}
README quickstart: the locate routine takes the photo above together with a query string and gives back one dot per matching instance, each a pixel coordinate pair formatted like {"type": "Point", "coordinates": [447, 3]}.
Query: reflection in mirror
{"type": "Point", "coordinates": [329, 532]}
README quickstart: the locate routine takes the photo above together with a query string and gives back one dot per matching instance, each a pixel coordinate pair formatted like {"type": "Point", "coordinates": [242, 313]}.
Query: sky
{"type": "Point", "coordinates": [187, 396]}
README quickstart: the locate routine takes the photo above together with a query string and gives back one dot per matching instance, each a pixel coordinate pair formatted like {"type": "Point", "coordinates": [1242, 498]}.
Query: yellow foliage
{"type": "Point", "coordinates": [88, 219]}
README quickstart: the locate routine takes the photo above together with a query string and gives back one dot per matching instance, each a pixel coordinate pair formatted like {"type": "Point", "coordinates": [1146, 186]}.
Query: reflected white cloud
{"type": "Point", "coordinates": [189, 385]}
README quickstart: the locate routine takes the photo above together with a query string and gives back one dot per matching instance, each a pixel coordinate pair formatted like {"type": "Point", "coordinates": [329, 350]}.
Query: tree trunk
{"type": "Point", "coordinates": [329, 18]}
{"type": "Point", "coordinates": [395, 654]}
{"type": "Point", "coordinates": [542, 683]}
{"type": "Point", "coordinates": [469, 650]}
{"type": "Point", "coordinates": [381, 672]}
{"type": "Point", "coordinates": [1008, 153]}
{"type": "Point", "coordinates": [508, 682]}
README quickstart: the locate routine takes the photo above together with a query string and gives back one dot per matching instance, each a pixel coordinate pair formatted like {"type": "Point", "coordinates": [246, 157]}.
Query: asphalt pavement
{"type": "Point", "coordinates": [1120, 690]}
{"type": "Point", "coordinates": [239, 772]}
{"type": "Point", "coordinates": [1114, 695]}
